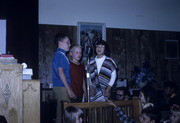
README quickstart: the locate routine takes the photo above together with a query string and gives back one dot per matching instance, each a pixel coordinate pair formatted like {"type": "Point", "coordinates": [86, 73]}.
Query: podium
{"type": "Point", "coordinates": [18, 98]}
{"type": "Point", "coordinates": [11, 92]}
{"type": "Point", "coordinates": [31, 101]}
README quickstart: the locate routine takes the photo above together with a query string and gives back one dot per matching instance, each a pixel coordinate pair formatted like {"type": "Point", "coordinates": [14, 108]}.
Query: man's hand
{"type": "Point", "coordinates": [111, 103]}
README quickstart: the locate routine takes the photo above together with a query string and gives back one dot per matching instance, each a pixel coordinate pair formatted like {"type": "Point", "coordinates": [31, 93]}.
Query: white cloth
{"type": "Point", "coordinates": [99, 62]}
{"type": "Point", "coordinates": [113, 78]}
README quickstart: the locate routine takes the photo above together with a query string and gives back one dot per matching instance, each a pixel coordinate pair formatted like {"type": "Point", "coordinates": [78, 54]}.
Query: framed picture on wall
{"type": "Point", "coordinates": [88, 34]}
{"type": "Point", "coordinates": [171, 49]}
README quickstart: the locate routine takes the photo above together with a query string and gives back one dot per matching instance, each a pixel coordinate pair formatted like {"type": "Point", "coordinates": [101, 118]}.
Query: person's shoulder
{"type": "Point", "coordinates": [71, 63]}
{"type": "Point", "coordinates": [81, 64]}
{"type": "Point", "coordinates": [92, 61]}
{"type": "Point", "coordinates": [110, 60]}
{"type": "Point", "coordinates": [58, 53]}
{"type": "Point", "coordinates": [58, 57]}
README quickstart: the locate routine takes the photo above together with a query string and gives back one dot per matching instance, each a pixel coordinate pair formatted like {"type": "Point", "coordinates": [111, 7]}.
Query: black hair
{"type": "Point", "coordinates": [152, 112]}
{"type": "Point", "coordinates": [70, 114]}
{"type": "Point", "coordinates": [125, 89]}
{"type": "Point", "coordinates": [107, 50]}
{"type": "Point", "coordinates": [2, 119]}
{"type": "Point", "coordinates": [59, 37]}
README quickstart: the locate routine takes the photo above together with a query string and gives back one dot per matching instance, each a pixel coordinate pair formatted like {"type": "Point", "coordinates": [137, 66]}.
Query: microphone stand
{"type": "Point", "coordinates": [88, 52]}
{"type": "Point", "coordinates": [88, 78]}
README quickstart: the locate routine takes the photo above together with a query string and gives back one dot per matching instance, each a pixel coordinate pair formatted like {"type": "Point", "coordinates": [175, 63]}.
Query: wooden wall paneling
{"type": "Point", "coordinates": [117, 46]}
{"type": "Point", "coordinates": [155, 63]}
{"type": "Point", "coordinates": [130, 52]}
{"type": "Point", "coordinates": [129, 47]}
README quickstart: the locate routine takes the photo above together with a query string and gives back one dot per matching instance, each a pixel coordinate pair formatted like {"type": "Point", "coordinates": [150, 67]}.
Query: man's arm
{"type": "Point", "coordinates": [120, 113]}
{"type": "Point", "coordinates": [64, 81]}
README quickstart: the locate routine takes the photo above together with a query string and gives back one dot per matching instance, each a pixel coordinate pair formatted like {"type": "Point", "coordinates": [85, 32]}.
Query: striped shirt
{"type": "Point", "coordinates": [100, 80]}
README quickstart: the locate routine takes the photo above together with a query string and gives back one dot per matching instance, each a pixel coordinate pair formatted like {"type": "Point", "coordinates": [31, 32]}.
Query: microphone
{"type": "Point", "coordinates": [88, 50]}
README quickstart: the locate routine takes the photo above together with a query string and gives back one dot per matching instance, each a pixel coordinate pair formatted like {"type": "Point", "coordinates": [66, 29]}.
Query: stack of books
{"type": "Point", "coordinates": [7, 59]}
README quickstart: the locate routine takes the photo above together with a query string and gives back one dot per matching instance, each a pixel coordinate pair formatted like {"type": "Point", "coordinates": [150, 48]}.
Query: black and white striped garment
{"type": "Point", "coordinates": [100, 81]}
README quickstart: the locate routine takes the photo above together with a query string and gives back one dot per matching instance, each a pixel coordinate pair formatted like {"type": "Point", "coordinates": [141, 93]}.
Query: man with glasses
{"type": "Point", "coordinates": [122, 93]}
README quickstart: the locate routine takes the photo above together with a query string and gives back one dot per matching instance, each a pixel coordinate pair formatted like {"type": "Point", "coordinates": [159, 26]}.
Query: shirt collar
{"type": "Point", "coordinates": [101, 57]}
{"type": "Point", "coordinates": [61, 50]}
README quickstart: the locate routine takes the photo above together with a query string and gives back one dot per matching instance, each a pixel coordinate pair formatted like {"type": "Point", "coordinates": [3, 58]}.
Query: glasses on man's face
{"type": "Point", "coordinates": [100, 46]}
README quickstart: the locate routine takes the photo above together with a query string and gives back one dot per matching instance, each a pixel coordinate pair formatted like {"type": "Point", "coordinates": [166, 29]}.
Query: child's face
{"type": "Point", "coordinates": [145, 119]}
{"type": "Point", "coordinates": [76, 54]}
{"type": "Point", "coordinates": [142, 98]}
{"type": "Point", "coordinates": [65, 44]}
{"type": "Point", "coordinates": [100, 50]}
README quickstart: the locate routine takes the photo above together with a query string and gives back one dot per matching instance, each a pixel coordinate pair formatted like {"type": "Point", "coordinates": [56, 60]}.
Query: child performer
{"type": "Point", "coordinates": [77, 73]}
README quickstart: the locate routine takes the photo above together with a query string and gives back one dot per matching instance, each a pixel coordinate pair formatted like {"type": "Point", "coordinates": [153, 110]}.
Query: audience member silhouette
{"type": "Point", "coordinates": [2, 119]}
{"type": "Point", "coordinates": [170, 92]}
{"type": "Point", "coordinates": [72, 115]}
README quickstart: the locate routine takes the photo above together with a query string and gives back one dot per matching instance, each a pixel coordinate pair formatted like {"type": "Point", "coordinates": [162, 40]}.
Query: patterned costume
{"type": "Point", "coordinates": [100, 81]}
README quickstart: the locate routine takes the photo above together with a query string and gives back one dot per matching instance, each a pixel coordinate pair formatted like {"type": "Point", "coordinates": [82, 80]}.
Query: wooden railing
{"type": "Point", "coordinates": [102, 112]}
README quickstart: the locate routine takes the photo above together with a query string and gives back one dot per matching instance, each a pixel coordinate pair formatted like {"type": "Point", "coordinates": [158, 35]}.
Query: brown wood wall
{"type": "Point", "coordinates": [129, 47]}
